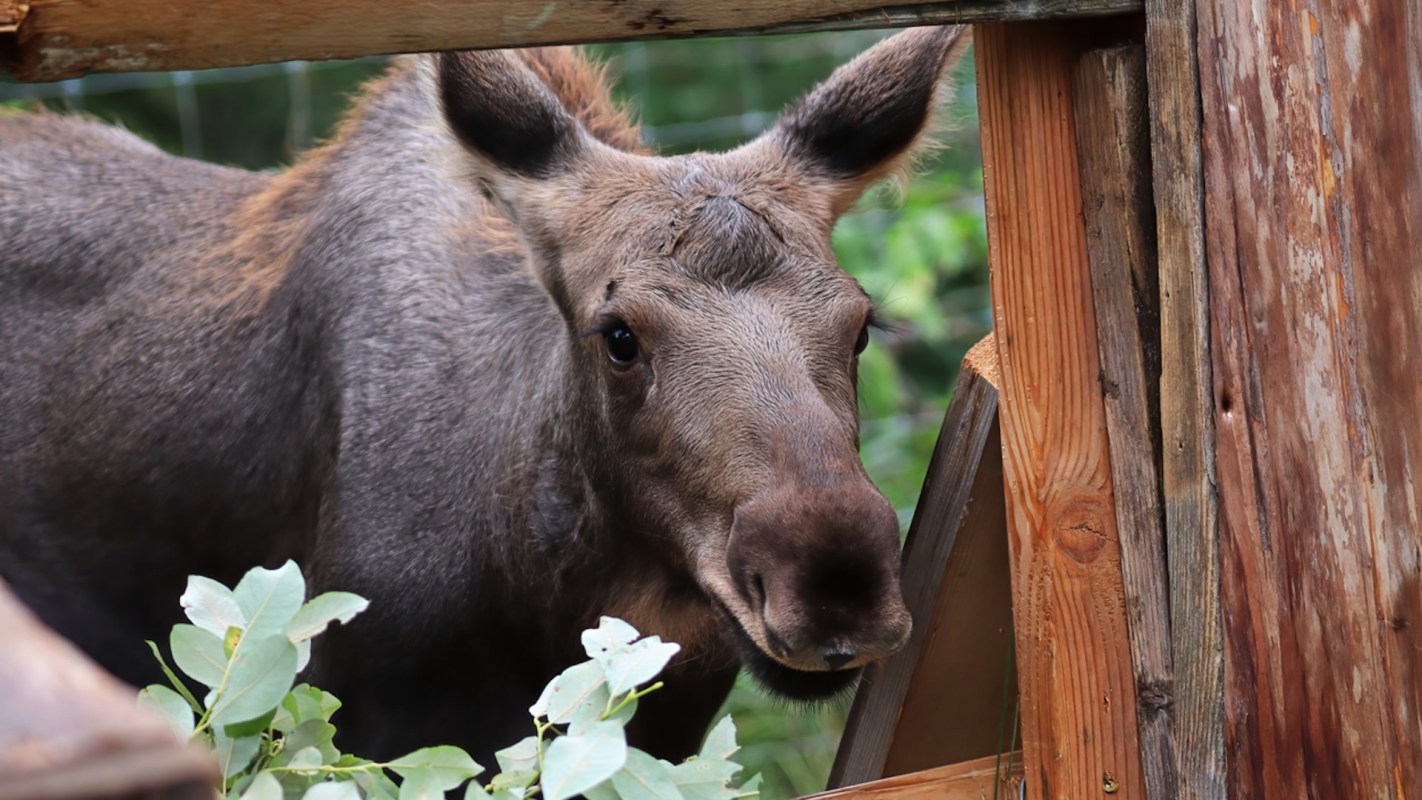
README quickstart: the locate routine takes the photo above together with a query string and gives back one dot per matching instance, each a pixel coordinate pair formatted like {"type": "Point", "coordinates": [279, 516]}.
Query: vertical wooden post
{"type": "Point", "coordinates": [1114, 150]}
{"type": "Point", "coordinates": [1186, 405]}
{"type": "Point", "coordinates": [1075, 675]}
{"type": "Point", "coordinates": [1313, 179]}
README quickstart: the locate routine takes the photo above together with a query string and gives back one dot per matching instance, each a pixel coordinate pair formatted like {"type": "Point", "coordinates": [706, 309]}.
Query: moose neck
{"type": "Point", "coordinates": [451, 310]}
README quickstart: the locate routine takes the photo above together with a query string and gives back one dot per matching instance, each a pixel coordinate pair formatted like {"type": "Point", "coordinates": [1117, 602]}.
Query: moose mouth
{"type": "Point", "coordinates": [780, 680]}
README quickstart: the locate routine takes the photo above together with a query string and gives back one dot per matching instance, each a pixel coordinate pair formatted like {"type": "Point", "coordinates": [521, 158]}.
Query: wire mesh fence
{"type": "Point", "coordinates": [747, 91]}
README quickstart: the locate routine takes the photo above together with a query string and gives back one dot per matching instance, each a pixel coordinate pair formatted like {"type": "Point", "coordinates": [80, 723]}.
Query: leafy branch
{"type": "Point", "coordinates": [273, 739]}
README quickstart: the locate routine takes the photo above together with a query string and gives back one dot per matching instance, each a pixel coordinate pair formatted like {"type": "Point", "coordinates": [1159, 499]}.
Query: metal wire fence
{"type": "Point", "coordinates": [645, 71]}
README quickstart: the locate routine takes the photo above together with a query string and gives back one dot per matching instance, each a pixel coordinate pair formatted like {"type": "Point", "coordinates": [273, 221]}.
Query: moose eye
{"type": "Point", "coordinates": [863, 340]}
{"type": "Point", "coordinates": [621, 345]}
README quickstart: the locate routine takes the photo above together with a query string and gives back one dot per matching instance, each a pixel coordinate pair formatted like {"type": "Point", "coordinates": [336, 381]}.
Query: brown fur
{"type": "Point", "coordinates": [401, 362]}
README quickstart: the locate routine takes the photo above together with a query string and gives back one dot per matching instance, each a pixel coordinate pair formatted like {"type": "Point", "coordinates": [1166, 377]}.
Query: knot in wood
{"type": "Point", "coordinates": [1082, 529]}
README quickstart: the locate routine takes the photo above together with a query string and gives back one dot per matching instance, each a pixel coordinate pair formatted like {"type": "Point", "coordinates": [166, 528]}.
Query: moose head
{"type": "Point", "coordinates": [714, 340]}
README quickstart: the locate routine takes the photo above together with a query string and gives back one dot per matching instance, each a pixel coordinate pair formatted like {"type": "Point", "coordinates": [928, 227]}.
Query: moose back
{"type": "Point", "coordinates": [478, 358]}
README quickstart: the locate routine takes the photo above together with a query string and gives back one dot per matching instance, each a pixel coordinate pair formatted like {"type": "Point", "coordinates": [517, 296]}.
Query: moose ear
{"type": "Point", "coordinates": [506, 116]}
{"type": "Point", "coordinates": [864, 122]}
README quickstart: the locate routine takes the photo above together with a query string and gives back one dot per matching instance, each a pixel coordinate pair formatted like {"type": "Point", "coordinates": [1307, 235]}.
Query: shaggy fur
{"type": "Point", "coordinates": [392, 362]}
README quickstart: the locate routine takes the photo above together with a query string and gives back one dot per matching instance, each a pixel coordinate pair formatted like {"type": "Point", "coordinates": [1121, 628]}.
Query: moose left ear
{"type": "Point", "coordinates": [863, 123]}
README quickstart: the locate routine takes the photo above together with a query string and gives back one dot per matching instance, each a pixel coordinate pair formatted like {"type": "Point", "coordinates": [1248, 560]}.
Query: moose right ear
{"type": "Point", "coordinates": [506, 116]}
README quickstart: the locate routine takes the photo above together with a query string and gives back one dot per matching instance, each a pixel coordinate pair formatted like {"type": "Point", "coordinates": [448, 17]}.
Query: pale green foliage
{"type": "Point", "coordinates": [273, 739]}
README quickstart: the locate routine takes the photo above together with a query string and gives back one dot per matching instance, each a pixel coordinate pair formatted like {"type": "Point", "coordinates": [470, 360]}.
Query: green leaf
{"type": "Point", "coordinates": [751, 788]}
{"type": "Point", "coordinates": [321, 611]}
{"type": "Point", "coordinates": [263, 787]}
{"type": "Point", "coordinates": [449, 765]}
{"type": "Point", "coordinates": [306, 760]}
{"type": "Point", "coordinates": [625, 663]}
{"type": "Point", "coordinates": [270, 599]}
{"type": "Point", "coordinates": [332, 790]}
{"type": "Point", "coordinates": [315, 733]}
{"type": "Point", "coordinates": [610, 634]}
{"type": "Point", "coordinates": [522, 756]}
{"type": "Point", "coordinates": [705, 779]}
{"type": "Point", "coordinates": [421, 784]}
{"type": "Point", "coordinates": [645, 778]}
{"type": "Point", "coordinates": [211, 606]}
{"type": "Point", "coordinates": [181, 688]}
{"type": "Point", "coordinates": [638, 664]}
{"type": "Point", "coordinates": [234, 754]}
{"type": "Point", "coordinates": [602, 791]}
{"type": "Point", "coordinates": [303, 654]}
{"type": "Point", "coordinates": [250, 727]}
{"type": "Point", "coordinates": [172, 706]}
{"type": "Point", "coordinates": [304, 702]}
{"type": "Point", "coordinates": [579, 761]}
{"type": "Point", "coordinates": [374, 784]}
{"type": "Point", "coordinates": [261, 673]}
{"type": "Point", "coordinates": [581, 691]}
{"type": "Point", "coordinates": [199, 654]}
{"type": "Point", "coordinates": [721, 741]}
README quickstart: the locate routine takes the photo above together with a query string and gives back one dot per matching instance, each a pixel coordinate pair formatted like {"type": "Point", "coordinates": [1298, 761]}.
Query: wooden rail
{"type": "Point", "coordinates": [63, 38]}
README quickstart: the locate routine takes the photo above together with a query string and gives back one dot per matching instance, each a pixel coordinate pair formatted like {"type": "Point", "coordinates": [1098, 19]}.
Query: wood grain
{"type": "Point", "coordinates": [1114, 151]}
{"type": "Point", "coordinates": [70, 731]}
{"type": "Point", "coordinates": [64, 38]}
{"type": "Point", "coordinates": [1074, 660]}
{"type": "Point", "coordinates": [940, 701]}
{"type": "Point", "coordinates": [1186, 402]}
{"type": "Point", "coordinates": [1313, 178]}
{"type": "Point", "coordinates": [982, 778]}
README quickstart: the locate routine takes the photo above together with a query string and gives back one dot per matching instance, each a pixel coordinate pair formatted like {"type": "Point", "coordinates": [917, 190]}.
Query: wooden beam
{"type": "Point", "coordinates": [65, 38]}
{"type": "Point", "coordinates": [70, 731]}
{"type": "Point", "coordinates": [1074, 660]}
{"type": "Point", "coordinates": [1186, 405]}
{"type": "Point", "coordinates": [942, 700]}
{"type": "Point", "coordinates": [1313, 201]}
{"type": "Point", "coordinates": [979, 779]}
{"type": "Point", "coordinates": [1114, 149]}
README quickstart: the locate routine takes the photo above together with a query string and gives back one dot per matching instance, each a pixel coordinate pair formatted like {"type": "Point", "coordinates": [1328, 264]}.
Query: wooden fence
{"type": "Point", "coordinates": [1199, 422]}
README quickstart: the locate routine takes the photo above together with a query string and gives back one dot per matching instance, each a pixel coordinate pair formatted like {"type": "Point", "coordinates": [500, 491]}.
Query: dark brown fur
{"type": "Point", "coordinates": [394, 362]}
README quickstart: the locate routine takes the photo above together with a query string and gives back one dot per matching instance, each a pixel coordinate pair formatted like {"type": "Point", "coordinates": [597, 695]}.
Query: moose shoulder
{"type": "Point", "coordinates": [478, 359]}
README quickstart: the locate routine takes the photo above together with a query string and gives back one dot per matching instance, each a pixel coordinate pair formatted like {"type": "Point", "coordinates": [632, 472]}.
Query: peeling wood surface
{"type": "Point", "coordinates": [982, 778]}
{"type": "Point", "coordinates": [1313, 178]}
{"type": "Point", "coordinates": [941, 700]}
{"type": "Point", "coordinates": [1113, 146]}
{"type": "Point", "coordinates": [1186, 404]}
{"type": "Point", "coordinates": [11, 13]}
{"type": "Point", "coordinates": [65, 38]}
{"type": "Point", "coordinates": [1074, 661]}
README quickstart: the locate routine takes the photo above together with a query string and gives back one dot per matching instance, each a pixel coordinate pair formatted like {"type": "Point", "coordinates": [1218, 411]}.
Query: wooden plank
{"type": "Point", "coordinates": [65, 38]}
{"type": "Point", "coordinates": [69, 731]}
{"type": "Point", "coordinates": [1313, 179]}
{"type": "Point", "coordinates": [957, 587]}
{"type": "Point", "coordinates": [1186, 403]}
{"type": "Point", "coordinates": [982, 778]}
{"type": "Point", "coordinates": [1074, 660]}
{"type": "Point", "coordinates": [1113, 146]}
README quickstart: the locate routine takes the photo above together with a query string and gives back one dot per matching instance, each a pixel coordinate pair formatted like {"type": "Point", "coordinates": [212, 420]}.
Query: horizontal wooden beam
{"type": "Point", "coordinates": [55, 39]}
{"type": "Point", "coordinates": [991, 776]}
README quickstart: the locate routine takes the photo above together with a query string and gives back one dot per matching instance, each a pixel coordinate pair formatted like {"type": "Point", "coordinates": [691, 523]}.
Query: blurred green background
{"type": "Point", "coordinates": [922, 255]}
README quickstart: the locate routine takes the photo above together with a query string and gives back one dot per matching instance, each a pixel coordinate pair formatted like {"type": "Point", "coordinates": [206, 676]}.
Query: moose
{"type": "Point", "coordinates": [479, 358]}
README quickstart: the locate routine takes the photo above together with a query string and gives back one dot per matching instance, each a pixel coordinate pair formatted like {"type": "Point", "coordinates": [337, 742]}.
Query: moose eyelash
{"type": "Point", "coordinates": [603, 325]}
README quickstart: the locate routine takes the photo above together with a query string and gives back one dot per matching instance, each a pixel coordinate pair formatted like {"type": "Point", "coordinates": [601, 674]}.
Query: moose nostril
{"type": "Point", "coordinates": [835, 659]}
